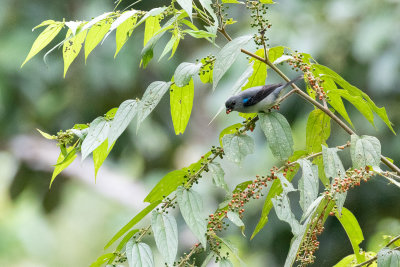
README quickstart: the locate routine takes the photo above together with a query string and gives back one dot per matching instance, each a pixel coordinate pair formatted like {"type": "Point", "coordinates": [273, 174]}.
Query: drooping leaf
{"type": "Point", "coordinates": [100, 154]}
{"type": "Point", "coordinates": [388, 258]}
{"type": "Point", "coordinates": [71, 48]}
{"type": "Point", "coordinates": [170, 182]}
{"type": "Point", "coordinates": [336, 102]}
{"type": "Point", "coordinates": [358, 102]}
{"type": "Point", "coordinates": [118, 21]}
{"type": "Point", "coordinates": [152, 26]}
{"type": "Point", "coordinates": [317, 131]}
{"type": "Point", "coordinates": [122, 244]}
{"type": "Point", "coordinates": [95, 35]}
{"type": "Point", "coordinates": [171, 45]}
{"type": "Point", "coordinates": [283, 211]}
{"type": "Point", "coordinates": [124, 115]}
{"type": "Point", "coordinates": [139, 254]}
{"type": "Point", "coordinates": [365, 151]}
{"type": "Point", "coordinates": [279, 135]}
{"type": "Point", "coordinates": [184, 73]}
{"type": "Point", "coordinates": [354, 91]}
{"type": "Point", "coordinates": [199, 33]}
{"type": "Point", "coordinates": [63, 162]}
{"type": "Point", "coordinates": [187, 6]}
{"type": "Point", "coordinates": [259, 74]}
{"type": "Point", "coordinates": [132, 223]}
{"type": "Point", "coordinates": [181, 102]}
{"type": "Point", "coordinates": [226, 56]}
{"type": "Point", "coordinates": [98, 132]}
{"type": "Point", "coordinates": [191, 206]}
{"type": "Point", "coordinates": [124, 31]}
{"type": "Point", "coordinates": [44, 38]}
{"type": "Point", "coordinates": [102, 259]}
{"type": "Point", "coordinates": [166, 235]}
{"type": "Point", "coordinates": [218, 174]}
{"type": "Point", "coordinates": [95, 21]}
{"type": "Point", "coordinates": [267, 2]}
{"type": "Point", "coordinates": [237, 146]}
{"type": "Point", "coordinates": [154, 92]}
{"type": "Point", "coordinates": [308, 184]}
{"type": "Point", "coordinates": [353, 231]}
{"type": "Point", "coordinates": [235, 218]}
{"type": "Point", "coordinates": [46, 135]}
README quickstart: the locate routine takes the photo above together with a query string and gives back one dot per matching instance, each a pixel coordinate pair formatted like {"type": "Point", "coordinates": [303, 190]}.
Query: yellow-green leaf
{"type": "Point", "coordinates": [59, 168]}
{"type": "Point", "coordinates": [71, 48]}
{"type": "Point", "coordinates": [317, 131]}
{"type": "Point", "coordinates": [152, 26]}
{"type": "Point", "coordinates": [124, 31]}
{"type": "Point", "coordinates": [46, 135]}
{"type": "Point", "coordinates": [181, 101]}
{"type": "Point", "coordinates": [95, 35]}
{"type": "Point", "coordinates": [259, 72]}
{"type": "Point", "coordinates": [99, 155]}
{"type": "Point", "coordinates": [44, 38]}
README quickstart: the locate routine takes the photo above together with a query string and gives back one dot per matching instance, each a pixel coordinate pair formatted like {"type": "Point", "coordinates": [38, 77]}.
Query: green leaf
{"type": "Point", "coordinates": [154, 92]}
{"type": "Point", "coordinates": [357, 101]}
{"type": "Point", "coordinates": [124, 31]}
{"type": "Point", "coordinates": [71, 48]}
{"type": "Point", "coordinates": [351, 260]}
{"type": "Point", "coordinates": [353, 231]}
{"type": "Point", "coordinates": [139, 254]}
{"type": "Point", "coordinates": [319, 161]}
{"type": "Point", "coordinates": [132, 223]}
{"type": "Point", "coordinates": [336, 102]}
{"type": "Point", "coordinates": [206, 72]}
{"type": "Point", "coordinates": [232, 248]}
{"type": "Point", "coordinates": [44, 38]}
{"type": "Point", "coordinates": [122, 244]}
{"type": "Point", "coordinates": [317, 131]}
{"type": "Point", "coordinates": [229, 130]}
{"type": "Point", "coordinates": [276, 189]}
{"type": "Point", "coordinates": [191, 207]}
{"type": "Point", "coordinates": [267, 2]}
{"type": "Point", "coordinates": [259, 74]}
{"type": "Point", "coordinates": [334, 168]}
{"type": "Point", "coordinates": [207, 260]}
{"type": "Point", "coordinates": [283, 211]}
{"type": "Point", "coordinates": [111, 114]}
{"type": "Point", "coordinates": [97, 134]}
{"type": "Point", "coordinates": [62, 163]}
{"type": "Point", "coordinates": [275, 52]}
{"type": "Point", "coordinates": [121, 19]}
{"type": "Point", "coordinates": [354, 91]}
{"type": "Point", "coordinates": [96, 20]}
{"type": "Point", "coordinates": [365, 151]}
{"type": "Point", "coordinates": [187, 6]}
{"type": "Point", "coordinates": [218, 174]}
{"type": "Point", "coordinates": [231, 1]}
{"type": "Point", "coordinates": [237, 146]}
{"type": "Point", "coordinates": [152, 26]}
{"type": "Point", "coordinates": [388, 258]}
{"type": "Point", "coordinates": [102, 259]}
{"type": "Point", "coordinates": [100, 154]}
{"type": "Point", "coordinates": [166, 235]}
{"type": "Point", "coordinates": [124, 115]}
{"type": "Point", "coordinates": [235, 218]}
{"type": "Point", "coordinates": [308, 184]}
{"type": "Point", "coordinates": [199, 33]}
{"type": "Point", "coordinates": [225, 263]}
{"type": "Point", "coordinates": [226, 56]}
{"type": "Point", "coordinates": [184, 73]}
{"type": "Point", "coordinates": [279, 135]}
{"type": "Point", "coordinates": [170, 182]}
{"type": "Point", "coordinates": [171, 45]}
{"type": "Point", "coordinates": [46, 135]}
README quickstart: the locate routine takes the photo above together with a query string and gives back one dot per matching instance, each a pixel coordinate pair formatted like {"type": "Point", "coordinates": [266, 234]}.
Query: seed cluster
{"type": "Point", "coordinates": [297, 64]}
{"type": "Point", "coordinates": [310, 244]}
{"type": "Point", "coordinates": [207, 64]}
{"type": "Point", "coordinates": [353, 178]}
{"type": "Point", "coordinates": [65, 138]}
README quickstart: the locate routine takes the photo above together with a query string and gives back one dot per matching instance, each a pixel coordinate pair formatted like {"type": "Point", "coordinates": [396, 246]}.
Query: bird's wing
{"type": "Point", "coordinates": [260, 95]}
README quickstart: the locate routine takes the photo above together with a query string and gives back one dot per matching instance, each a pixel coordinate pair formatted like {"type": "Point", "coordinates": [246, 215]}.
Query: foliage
{"type": "Point", "coordinates": [318, 162]}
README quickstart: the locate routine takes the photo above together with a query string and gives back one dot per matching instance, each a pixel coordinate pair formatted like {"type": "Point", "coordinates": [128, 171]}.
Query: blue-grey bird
{"type": "Point", "coordinates": [257, 99]}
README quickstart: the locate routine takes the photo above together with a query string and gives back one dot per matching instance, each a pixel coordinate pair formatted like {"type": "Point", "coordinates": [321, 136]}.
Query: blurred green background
{"type": "Point", "coordinates": [69, 224]}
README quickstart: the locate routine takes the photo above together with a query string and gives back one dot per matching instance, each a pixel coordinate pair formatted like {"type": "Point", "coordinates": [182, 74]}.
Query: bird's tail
{"type": "Point", "coordinates": [293, 81]}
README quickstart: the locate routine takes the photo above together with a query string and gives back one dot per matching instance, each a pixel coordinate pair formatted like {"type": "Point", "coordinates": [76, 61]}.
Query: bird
{"type": "Point", "coordinates": [257, 99]}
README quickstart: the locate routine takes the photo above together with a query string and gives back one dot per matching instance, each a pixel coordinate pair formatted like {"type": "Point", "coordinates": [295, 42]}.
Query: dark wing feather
{"type": "Point", "coordinates": [260, 95]}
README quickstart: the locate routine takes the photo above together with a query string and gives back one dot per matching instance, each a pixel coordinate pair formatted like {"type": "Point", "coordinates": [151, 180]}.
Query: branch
{"type": "Point", "coordinates": [376, 257]}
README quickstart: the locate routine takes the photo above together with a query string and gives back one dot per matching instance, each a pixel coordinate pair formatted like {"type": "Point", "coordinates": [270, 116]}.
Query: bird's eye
{"type": "Point", "coordinates": [233, 102]}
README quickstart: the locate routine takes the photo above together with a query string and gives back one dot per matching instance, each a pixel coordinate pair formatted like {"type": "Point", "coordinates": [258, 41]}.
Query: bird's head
{"type": "Point", "coordinates": [231, 104]}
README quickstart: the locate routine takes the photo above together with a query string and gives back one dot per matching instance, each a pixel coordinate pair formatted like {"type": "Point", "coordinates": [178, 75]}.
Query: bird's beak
{"type": "Point", "coordinates": [228, 110]}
